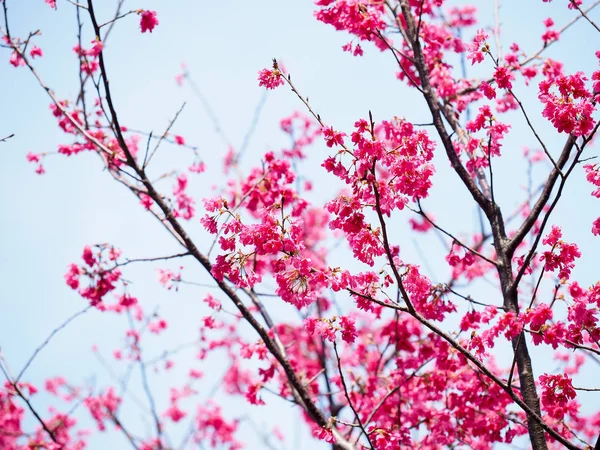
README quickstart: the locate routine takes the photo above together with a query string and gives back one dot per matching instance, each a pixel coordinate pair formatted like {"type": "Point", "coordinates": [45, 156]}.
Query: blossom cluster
{"type": "Point", "coordinates": [388, 355]}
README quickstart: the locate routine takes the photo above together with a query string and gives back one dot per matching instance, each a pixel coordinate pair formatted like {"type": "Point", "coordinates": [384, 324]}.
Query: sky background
{"type": "Point", "coordinates": [45, 221]}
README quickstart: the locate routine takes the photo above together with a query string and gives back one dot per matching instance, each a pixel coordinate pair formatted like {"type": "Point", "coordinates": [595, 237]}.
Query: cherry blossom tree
{"type": "Point", "coordinates": [371, 350]}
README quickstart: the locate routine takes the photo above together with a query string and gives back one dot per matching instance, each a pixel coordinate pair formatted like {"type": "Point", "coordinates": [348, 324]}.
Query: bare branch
{"type": "Point", "coordinates": [584, 14]}
{"type": "Point", "coordinates": [356, 415]}
{"type": "Point", "coordinates": [158, 258]}
{"type": "Point", "coordinates": [164, 135]}
{"type": "Point", "coordinates": [48, 339]}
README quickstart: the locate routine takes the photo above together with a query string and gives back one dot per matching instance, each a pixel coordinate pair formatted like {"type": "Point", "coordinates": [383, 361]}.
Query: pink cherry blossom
{"type": "Point", "coordinates": [148, 21]}
{"type": "Point", "coordinates": [270, 79]}
{"type": "Point", "coordinates": [35, 51]}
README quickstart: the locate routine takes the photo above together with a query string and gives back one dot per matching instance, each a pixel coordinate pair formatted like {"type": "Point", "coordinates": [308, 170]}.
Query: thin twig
{"type": "Point", "coordinates": [347, 395]}
{"type": "Point", "coordinates": [207, 108]}
{"type": "Point", "coordinates": [164, 135]}
{"type": "Point", "coordinates": [497, 28]}
{"type": "Point", "coordinates": [47, 340]}
{"type": "Point", "coordinates": [116, 18]}
{"type": "Point", "coordinates": [119, 424]}
{"type": "Point", "coordinates": [451, 236]}
{"type": "Point", "coordinates": [252, 127]}
{"type": "Point", "coordinates": [158, 258]}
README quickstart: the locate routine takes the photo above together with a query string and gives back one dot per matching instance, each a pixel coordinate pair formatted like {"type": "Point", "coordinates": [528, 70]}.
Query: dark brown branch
{"type": "Point", "coordinates": [437, 112]}
{"type": "Point", "coordinates": [386, 245]}
{"type": "Point", "coordinates": [535, 133]}
{"type": "Point", "coordinates": [158, 258]}
{"type": "Point", "coordinates": [180, 234]}
{"type": "Point", "coordinates": [110, 28]}
{"type": "Point", "coordinates": [116, 18]}
{"type": "Point", "coordinates": [5, 8]}
{"type": "Point", "coordinates": [586, 389]}
{"type": "Point", "coordinates": [163, 136]}
{"type": "Point", "coordinates": [402, 68]}
{"type": "Point", "coordinates": [468, 297]}
{"type": "Point", "coordinates": [530, 402]}
{"type": "Point", "coordinates": [19, 393]}
{"type": "Point", "coordinates": [451, 236]}
{"type": "Point", "coordinates": [584, 14]}
{"type": "Point", "coordinates": [542, 199]}
{"type": "Point", "coordinates": [79, 71]}
{"type": "Point", "coordinates": [532, 250]}
{"type": "Point", "coordinates": [479, 365]}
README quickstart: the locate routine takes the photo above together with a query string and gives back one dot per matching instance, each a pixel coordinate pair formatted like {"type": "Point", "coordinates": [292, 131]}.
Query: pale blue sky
{"type": "Point", "coordinates": [46, 221]}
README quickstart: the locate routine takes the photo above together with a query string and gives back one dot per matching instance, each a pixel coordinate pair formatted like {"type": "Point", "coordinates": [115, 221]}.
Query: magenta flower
{"type": "Point", "coordinates": [148, 21]}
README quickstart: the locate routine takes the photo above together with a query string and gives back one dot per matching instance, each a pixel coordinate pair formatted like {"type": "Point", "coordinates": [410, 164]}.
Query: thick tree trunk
{"type": "Point", "coordinates": [484, 198]}
{"type": "Point", "coordinates": [522, 358]}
